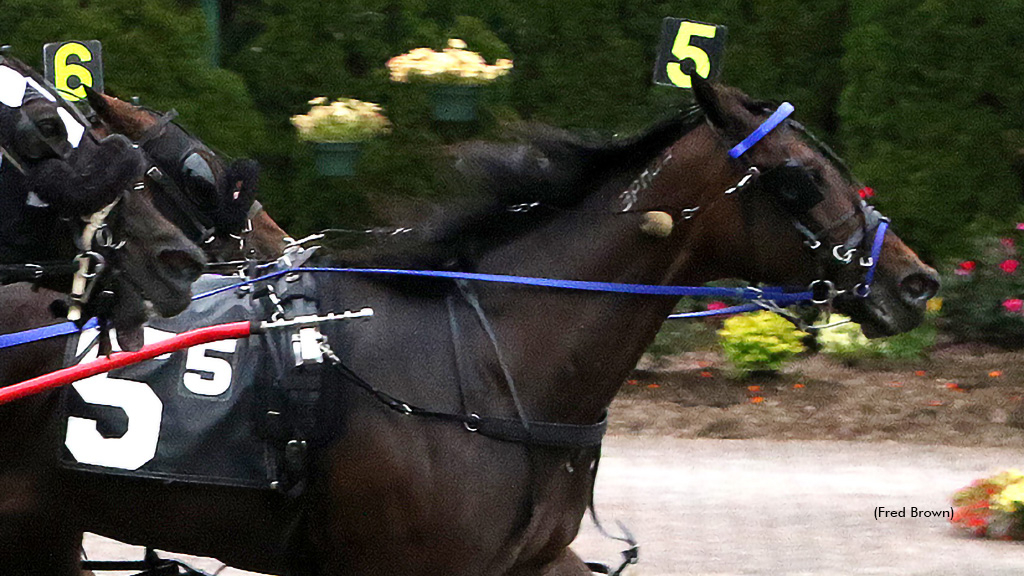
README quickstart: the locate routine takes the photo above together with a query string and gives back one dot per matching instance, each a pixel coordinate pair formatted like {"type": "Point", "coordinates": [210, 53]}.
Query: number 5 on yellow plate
{"type": "Point", "coordinates": [688, 47]}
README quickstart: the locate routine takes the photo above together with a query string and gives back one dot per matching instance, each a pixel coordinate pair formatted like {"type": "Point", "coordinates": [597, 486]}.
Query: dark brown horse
{"type": "Point", "coordinates": [214, 203]}
{"type": "Point", "coordinates": [403, 494]}
{"type": "Point", "coordinates": [55, 174]}
{"type": "Point", "coordinates": [219, 194]}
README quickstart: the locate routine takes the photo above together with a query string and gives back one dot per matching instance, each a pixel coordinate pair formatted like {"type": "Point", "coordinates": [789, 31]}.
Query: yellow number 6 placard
{"type": "Point", "coordinates": [686, 48]}
{"type": "Point", "coordinates": [71, 66]}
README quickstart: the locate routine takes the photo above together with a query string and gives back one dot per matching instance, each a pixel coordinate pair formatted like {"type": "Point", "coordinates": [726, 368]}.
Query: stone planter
{"type": "Point", "coordinates": [337, 158]}
{"type": "Point", "coordinates": [454, 103]}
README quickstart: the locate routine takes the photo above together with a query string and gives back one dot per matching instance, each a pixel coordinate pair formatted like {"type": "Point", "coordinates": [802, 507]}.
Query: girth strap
{"type": "Point", "coordinates": [550, 434]}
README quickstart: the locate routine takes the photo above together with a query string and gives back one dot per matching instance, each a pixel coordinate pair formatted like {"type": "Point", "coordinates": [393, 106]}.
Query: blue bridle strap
{"type": "Point", "coordinates": [780, 114]}
{"type": "Point", "coordinates": [876, 252]}
{"type": "Point", "coordinates": [44, 333]}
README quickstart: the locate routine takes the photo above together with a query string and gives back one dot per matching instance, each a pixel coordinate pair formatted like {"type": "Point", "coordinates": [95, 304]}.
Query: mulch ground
{"type": "Point", "coordinates": [961, 396]}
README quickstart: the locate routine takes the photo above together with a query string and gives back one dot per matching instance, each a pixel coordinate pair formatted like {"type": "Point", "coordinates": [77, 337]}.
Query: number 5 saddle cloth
{"type": "Point", "coordinates": [232, 412]}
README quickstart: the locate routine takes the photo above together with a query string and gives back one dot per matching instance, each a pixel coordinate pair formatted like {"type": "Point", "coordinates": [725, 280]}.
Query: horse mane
{"type": "Point", "coordinates": [552, 168]}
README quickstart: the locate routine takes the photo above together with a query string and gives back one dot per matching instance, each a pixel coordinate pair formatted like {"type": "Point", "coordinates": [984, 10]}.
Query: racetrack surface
{"type": "Point", "coordinates": [755, 507]}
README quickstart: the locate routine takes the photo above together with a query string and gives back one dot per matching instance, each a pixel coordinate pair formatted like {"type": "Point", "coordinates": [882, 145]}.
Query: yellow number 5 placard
{"type": "Point", "coordinates": [71, 66]}
{"type": "Point", "coordinates": [686, 48]}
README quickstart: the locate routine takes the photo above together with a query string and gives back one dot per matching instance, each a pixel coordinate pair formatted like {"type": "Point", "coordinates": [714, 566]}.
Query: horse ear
{"type": "Point", "coordinates": [96, 100]}
{"type": "Point", "coordinates": [242, 182]}
{"type": "Point", "coordinates": [709, 101]}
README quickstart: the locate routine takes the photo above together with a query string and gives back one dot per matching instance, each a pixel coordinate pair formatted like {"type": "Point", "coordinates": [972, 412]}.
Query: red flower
{"type": "Point", "coordinates": [866, 192]}
{"type": "Point", "coordinates": [1009, 265]}
{"type": "Point", "coordinates": [716, 305]}
{"type": "Point", "coordinates": [966, 267]}
{"type": "Point", "coordinates": [1013, 304]}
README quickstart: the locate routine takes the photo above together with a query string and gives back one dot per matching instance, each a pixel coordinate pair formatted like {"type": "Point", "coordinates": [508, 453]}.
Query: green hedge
{"type": "Point", "coordinates": [923, 97]}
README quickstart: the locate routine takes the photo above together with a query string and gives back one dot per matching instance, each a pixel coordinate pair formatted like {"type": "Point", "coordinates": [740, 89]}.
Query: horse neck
{"type": "Point", "coordinates": [573, 350]}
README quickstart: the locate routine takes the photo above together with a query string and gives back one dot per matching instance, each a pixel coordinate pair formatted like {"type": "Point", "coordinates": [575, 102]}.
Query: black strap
{"type": "Point", "coordinates": [158, 128]}
{"type": "Point", "coordinates": [28, 272]}
{"type": "Point", "coordinates": [549, 434]}
{"type": "Point", "coordinates": [630, 555]}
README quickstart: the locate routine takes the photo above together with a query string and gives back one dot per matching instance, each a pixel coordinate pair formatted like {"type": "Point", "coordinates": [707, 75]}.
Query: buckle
{"type": "Point", "coordinates": [822, 291]}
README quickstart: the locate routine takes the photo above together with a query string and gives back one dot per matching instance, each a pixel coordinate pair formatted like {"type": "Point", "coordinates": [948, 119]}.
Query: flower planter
{"type": "Point", "coordinates": [337, 158]}
{"type": "Point", "coordinates": [454, 103]}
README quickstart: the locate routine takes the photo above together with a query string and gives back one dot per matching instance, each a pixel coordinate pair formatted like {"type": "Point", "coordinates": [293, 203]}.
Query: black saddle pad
{"type": "Point", "coordinates": [192, 415]}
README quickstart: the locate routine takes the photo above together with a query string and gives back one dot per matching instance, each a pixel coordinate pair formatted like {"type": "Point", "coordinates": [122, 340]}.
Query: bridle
{"type": "Point", "coordinates": [792, 187]}
{"type": "Point", "coordinates": [95, 241]}
{"type": "Point", "coordinates": [168, 144]}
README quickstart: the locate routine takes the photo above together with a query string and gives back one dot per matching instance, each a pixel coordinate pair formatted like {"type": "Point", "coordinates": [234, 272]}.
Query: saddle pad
{"type": "Point", "coordinates": [192, 415]}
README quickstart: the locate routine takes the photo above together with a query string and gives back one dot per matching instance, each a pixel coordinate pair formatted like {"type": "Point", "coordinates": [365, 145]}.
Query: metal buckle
{"type": "Point", "coordinates": [844, 258]}
{"type": "Point", "coordinates": [37, 270]}
{"type": "Point", "coordinates": [830, 291]}
{"type": "Point", "coordinates": [862, 290]}
{"type": "Point", "coordinates": [475, 419]}
{"type": "Point", "coordinates": [97, 260]}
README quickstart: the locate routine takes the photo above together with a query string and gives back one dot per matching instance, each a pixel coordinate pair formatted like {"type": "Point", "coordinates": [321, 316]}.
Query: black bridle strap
{"type": "Point", "coordinates": [158, 128]}
{"type": "Point", "coordinates": [548, 434]}
{"type": "Point", "coordinates": [29, 272]}
{"type": "Point", "coordinates": [202, 229]}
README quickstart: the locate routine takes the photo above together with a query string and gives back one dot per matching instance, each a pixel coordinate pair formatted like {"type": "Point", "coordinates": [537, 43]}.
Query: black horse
{"type": "Point", "coordinates": [459, 430]}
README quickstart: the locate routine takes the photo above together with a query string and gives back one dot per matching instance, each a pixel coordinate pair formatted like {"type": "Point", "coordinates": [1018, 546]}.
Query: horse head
{"type": "Point", "coordinates": [197, 184]}
{"type": "Point", "coordinates": [57, 171]}
{"type": "Point", "coordinates": [788, 211]}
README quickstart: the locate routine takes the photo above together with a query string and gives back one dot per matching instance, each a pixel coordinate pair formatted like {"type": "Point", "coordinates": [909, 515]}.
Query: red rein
{"type": "Point", "coordinates": [121, 359]}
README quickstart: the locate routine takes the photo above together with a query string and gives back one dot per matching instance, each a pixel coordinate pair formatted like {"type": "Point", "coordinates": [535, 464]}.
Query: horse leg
{"type": "Point", "coordinates": [35, 537]}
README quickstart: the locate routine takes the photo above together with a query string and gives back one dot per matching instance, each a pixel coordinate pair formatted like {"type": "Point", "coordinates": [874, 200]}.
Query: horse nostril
{"type": "Point", "coordinates": [182, 262]}
{"type": "Point", "coordinates": [919, 287]}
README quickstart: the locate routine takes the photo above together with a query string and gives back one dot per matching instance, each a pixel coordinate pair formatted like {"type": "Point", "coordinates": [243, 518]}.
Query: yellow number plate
{"type": "Point", "coordinates": [688, 47]}
{"type": "Point", "coordinates": [71, 66]}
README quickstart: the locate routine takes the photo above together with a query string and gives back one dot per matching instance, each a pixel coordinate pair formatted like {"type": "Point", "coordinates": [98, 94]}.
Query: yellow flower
{"type": "Point", "coordinates": [934, 305]}
{"type": "Point", "coordinates": [1010, 499]}
{"type": "Point", "coordinates": [454, 62]}
{"type": "Point", "coordinates": [344, 120]}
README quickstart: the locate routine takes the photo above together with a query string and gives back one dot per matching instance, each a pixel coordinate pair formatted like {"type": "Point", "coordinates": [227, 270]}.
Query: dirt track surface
{"type": "Point", "coordinates": [755, 507]}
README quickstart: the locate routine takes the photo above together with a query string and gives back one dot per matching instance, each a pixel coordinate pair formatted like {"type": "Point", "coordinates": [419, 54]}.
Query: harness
{"type": "Point", "coordinates": [171, 146]}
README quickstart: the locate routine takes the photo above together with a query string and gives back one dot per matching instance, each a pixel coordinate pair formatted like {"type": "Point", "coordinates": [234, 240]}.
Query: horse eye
{"type": "Point", "coordinates": [49, 128]}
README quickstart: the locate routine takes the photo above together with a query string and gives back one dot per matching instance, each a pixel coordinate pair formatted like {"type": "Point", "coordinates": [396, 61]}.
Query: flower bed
{"type": "Point", "coordinates": [992, 507]}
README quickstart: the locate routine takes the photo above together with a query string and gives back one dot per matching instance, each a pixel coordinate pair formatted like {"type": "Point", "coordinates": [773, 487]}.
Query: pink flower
{"type": "Point", "coordinates": [1007, 242]}
{"type": "Point", "coordinates": [965, 268]}
{"type": "Point", "coordinates": [1009, 265]}
{"type": "Point", "coordinates": [716, 305]}
{"type": "Point", "coordinates": [1020, 225]}
{"type": "Point", "coordinates": [1013, 304]}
